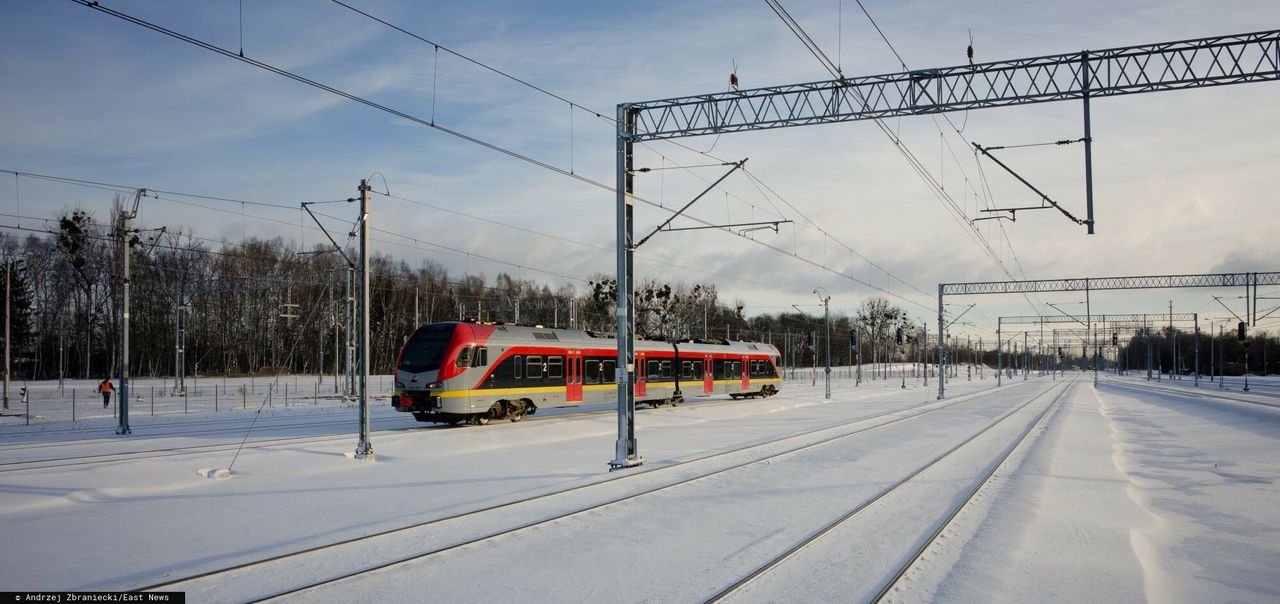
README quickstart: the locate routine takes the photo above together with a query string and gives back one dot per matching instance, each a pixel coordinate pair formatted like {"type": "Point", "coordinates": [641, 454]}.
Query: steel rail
{"type": "Point", "coordinates": [825, 530]}
{"type": "Point", "coordinates": [911, 411]}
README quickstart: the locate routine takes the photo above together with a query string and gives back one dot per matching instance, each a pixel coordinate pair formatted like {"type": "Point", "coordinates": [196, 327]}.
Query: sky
{"type": "Point", "coordinates": [1181, 179]}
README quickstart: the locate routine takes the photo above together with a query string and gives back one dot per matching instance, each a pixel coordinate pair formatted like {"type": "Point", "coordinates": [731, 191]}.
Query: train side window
{"type": "Point", "coordinates": [608, 371]}
{"type": "Point", "coordinates": [654, 371]}
{"type": "Point", "coordinates": [555, 367]}
{"type": "Point", "coordinates": [592, 372]}
{"type": "Point", "coordinates": [666, 370]}
{"type": "Point", "coordinates": [533, 367]}
{"type": "Point", "coordinates": [519, 371]}
{"type": "Point", "coordinates": [464, 357]}
{"type": "Point", "coordinates": [481, 356]}
{"type": "Point", "coordinates": [697, 370]}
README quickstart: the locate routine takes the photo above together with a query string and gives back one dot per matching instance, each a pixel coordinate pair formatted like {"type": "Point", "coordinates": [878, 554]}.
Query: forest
{"type": "Point", "coordinates": [263, 306]}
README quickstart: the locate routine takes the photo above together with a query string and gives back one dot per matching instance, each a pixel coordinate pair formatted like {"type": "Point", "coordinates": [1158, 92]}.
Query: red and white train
{"type": "Point", "coordinates": [464, 371]}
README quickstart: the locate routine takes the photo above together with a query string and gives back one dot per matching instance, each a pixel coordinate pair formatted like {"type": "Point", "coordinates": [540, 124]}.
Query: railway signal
{"type": "Point", "coordinates": [1242, 331]}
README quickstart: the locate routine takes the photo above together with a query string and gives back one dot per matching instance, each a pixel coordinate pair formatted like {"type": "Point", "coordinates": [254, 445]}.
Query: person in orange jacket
{"type": "Point", "coordinates": [106, 388]}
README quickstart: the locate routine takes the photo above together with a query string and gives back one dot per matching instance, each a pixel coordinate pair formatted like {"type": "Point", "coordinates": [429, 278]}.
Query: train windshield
{"type": "Point", "coordinates": [425, 350]}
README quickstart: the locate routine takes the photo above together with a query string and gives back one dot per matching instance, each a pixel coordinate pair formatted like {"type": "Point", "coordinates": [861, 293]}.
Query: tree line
{"type": "Point", "coordinates": [265, 306]}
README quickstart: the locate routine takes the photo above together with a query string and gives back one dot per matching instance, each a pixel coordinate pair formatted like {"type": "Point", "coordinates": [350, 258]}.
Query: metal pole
{"type": "Point", "coordinates": [625, 454]}
{"type": "Point", "coordinates": [123, 427]}
{"type": "Point", "coordinates": [942, 391]}
{"type": "Point", "coordinates": [8, 310]}
{"type": "Point", "coordinates": [364, 448]}
{"type": "Point", "coordinates": [1197, 320]}
{"type": "Point", "coordinates": [1221, 360]}
{"type": "Point", "coordinates": [826, 314]}
{"type": "Point", "coordinates": [1088, 145]}
{"type": "Point", "coordinates": [858, 347]}
{"type": "Point", "coordinates": [1026, 357]}
{"type": "Point", "coordinates": [999, 352]}
{"type": "Point", "coordinates": [1088, 307]}
{"type": "Point", "coordinates": [1057, 358]}
{"type": "Point", "coordinates": [349, 387]}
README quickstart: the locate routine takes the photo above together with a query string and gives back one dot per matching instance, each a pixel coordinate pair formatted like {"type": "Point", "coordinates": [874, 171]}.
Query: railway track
{"type": "Point", "coordinates": [337, 562]}
{"type": "Point", "coordinates": [914, 554]}
{"type": "Point", "coordinates": [1208, 393]}
{"type": "Point", "coordinates": [409, 425]}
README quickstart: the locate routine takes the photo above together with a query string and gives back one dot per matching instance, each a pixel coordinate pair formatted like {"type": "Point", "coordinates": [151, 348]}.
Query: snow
{"type": "Point", "coordinates": [1128, 491]}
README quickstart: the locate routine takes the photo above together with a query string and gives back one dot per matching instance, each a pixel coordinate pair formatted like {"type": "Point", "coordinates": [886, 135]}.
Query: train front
{"type": "Point", "coordinates": [432, 370]}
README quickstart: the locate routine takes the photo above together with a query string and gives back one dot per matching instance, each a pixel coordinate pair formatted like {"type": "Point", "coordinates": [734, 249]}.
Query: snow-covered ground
{"type": "Point", "coordinates": [1133, 490]}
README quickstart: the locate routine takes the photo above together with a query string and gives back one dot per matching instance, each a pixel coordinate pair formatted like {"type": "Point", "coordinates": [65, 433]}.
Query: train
{"type": "Point", "coordinates": [466, 371]}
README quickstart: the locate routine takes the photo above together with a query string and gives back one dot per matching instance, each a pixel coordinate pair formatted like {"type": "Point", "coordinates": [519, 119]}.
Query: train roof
{"type": "Point", "coordinates": [502, 331]}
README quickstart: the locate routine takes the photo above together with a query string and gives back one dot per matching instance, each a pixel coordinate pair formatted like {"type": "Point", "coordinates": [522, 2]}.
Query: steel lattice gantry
{"type": "Point", "coordinates": [1117, 318]}
{"type": "Point", "coordinates": [1231, 59]}
{"type": "Point", "coordinates": [1126, 322]}
{"type": "Point", "coordinates": [1250, 281]}
{"type": "Point", "coordinates": [1246, 280]}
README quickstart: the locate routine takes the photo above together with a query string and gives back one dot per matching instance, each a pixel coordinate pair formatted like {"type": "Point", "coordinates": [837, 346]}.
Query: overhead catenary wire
{"type": "Point", "coordinates": [935, 187]}
{"type": "Point", "coordinates": [119, 188]}
{"type": "Point", "coordinates": [572, 104]}
{"type": "Point", "coordinates": [494, 147]}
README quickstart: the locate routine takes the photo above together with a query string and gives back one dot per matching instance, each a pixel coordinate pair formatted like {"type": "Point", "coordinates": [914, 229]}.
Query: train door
{"type": "Point", "coordinates": [746, 373]}
{"type": "Point", "coordinates": [640, 374]}
{"type": "Point", "coordinates": [708, 373]}
{"type": "Point", "coordinates": [573, 377]}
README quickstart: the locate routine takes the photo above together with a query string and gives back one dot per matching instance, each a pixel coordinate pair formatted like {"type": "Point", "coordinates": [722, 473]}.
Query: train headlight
{"type": "Point", "coordinates": [434, 386]}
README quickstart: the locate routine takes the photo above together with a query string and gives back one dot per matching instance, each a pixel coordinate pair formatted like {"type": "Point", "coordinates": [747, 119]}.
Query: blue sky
{"type": "Point", "coordinates": [1182, 179]}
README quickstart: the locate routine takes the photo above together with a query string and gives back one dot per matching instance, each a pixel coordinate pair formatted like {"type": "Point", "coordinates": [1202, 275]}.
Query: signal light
{"type": "Point", "coordinates": [853, 337]}
{"type": "Point", "coordinates": [901, 340]}
{"type": "Point", "coordinates": [1241, 331]}
{"type": "Point", "coordinates": [1115, 339]}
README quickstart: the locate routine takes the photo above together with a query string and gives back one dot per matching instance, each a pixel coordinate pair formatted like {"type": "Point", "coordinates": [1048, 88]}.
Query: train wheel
{"type": "Point", "coordinates": [482, 419]}
{"type": "Point", "coordinates": [516, 411]}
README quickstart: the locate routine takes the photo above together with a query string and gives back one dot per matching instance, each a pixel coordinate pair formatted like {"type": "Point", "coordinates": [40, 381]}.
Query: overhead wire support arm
{"type": "Point", "coordinates": [773, 224]}
{"type": "Point", "coordinates": [1022, 180]}
{"type": "Point", "coordinates": [968, 308]}
{"type": "Point", "coordinates": [713, 185]}
{"type": "Point", "coordinates": [336, 247]}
